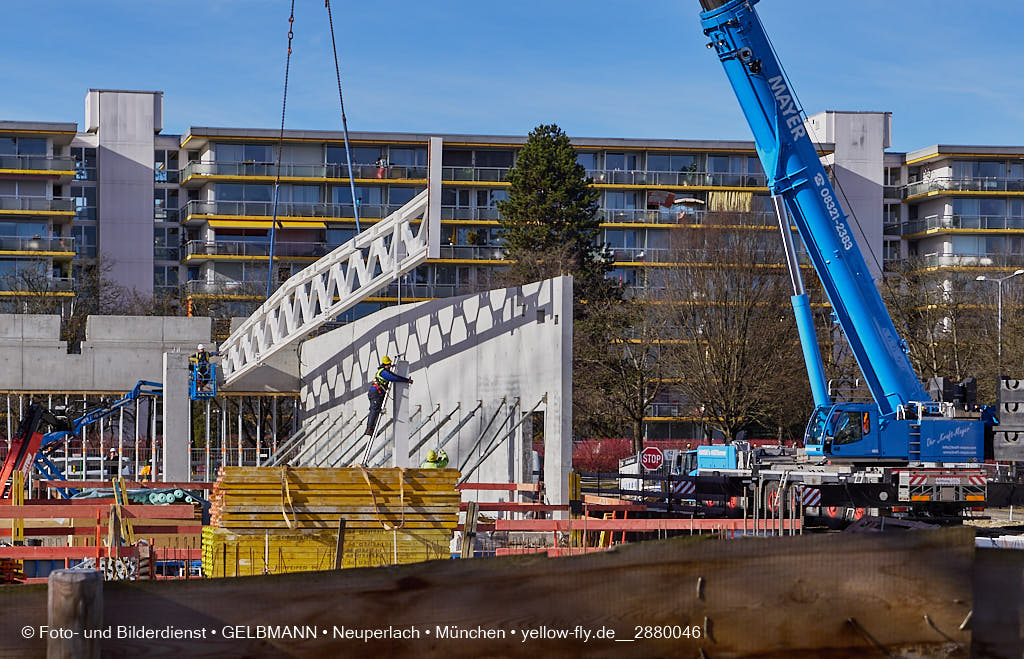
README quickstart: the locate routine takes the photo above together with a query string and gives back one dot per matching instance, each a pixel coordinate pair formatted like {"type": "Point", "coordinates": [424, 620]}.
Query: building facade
{"type": "Point", "coordinates": [189, 216]}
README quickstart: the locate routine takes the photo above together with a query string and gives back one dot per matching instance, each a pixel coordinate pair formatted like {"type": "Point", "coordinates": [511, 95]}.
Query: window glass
{"type": "Point", "coordinates": [848, 428]}
{"type": "Point", "coordinates": [718, 164]}
{"type": "Point", "coordinates": [31, 146]}
{"type": "Point", "coordinates": [687, 163]}
{"type": "Point", "coordinates": [454, 157]}
{"type": "Point", "coordinates": [257, 153]}
{"type": "Point", "coordinates": [258, 193]}
{"type": "Point", "coordinates": [993, 207]}
{"type": "Point", "coordinates": [228, 152]}
{"type": "Point", "coordinates": [228, 191]}
{"type": "Point", "coordinates": [8, 146]}
{"type": "Point", "coordinates": [989, 169]}
{"type": "Point", "coordinates": [620, 200]}
{"type": "Point", "coordinates": [657, 162]}
{"type": "Point", "coordinates": [31, 188]}
{"type": "Point", "coordinates": [364, 194]}
{"type": "Point", "coordinates": [415, 157]}
{"type": "Point", "coordinates": [398, 196]}
{"type": "Point", "coordinates": [340, 236]}
{"type": "Point", "coordinates": [588, 160]}
{"type": "Point", "coordinates": [493, 158]}
{"type": "Point", "coordinates": [300, 194]}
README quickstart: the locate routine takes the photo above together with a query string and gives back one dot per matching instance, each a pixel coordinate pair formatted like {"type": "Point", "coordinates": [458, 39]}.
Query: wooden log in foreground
{"type": "Point", "coordinates": [810, 596]}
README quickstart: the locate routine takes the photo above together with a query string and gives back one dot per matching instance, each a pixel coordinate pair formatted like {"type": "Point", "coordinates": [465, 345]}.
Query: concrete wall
{"type": "Point", "coordinates": [125, 123]}
{"type": "Point", "coordinates": [489, 349]}
{"type": "Point", "coordinates": [118, 351]}
{"type": "Point", "coordinates": [860, 140]}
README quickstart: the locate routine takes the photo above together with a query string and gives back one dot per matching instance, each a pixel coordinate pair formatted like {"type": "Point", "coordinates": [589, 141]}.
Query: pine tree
{"type": "Point", "coordinates": [549, 222]}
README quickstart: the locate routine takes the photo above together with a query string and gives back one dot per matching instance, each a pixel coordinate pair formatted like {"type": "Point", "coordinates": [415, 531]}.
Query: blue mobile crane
{"type": "Point", "coordinates": [32, 447]}
{"type": "Point", "coordinates": [903, 425]}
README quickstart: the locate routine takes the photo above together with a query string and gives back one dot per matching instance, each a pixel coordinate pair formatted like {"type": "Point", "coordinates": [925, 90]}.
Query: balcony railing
{"type": "Point", "coordinates": [484, 174]}
{"type": "Point", "coordinates": [36, 244]}
{"type": "Point", "coordinates": [33, 204]}
{"type": "Point", "coordinates": [948, 184]}
{"type": "Point", "coordinates": [287, 209]}
{"type": "Point", "coordinates": [678, 216]}
{"type": "Point", "coordinates": [301, 170]}
{"type": "Point", "coordinates": [891, 192]}
{"type": "Point", "coordinates": [980, 222]}
{"type": "Point", "coordinates": [226, 287]}
{"type": "Point", "coordinates": [38, 163]}
{"type": "Point", "coordinates": [282, 250]}
{"type": "Point", "coordinates": [670, 410]}
{"type": "Point", "coordinates": [678, 179]}
{"type": "Point", "coordinates": [453, 213]}
{"type": "Point", "coordinates": [165, 214]}
{"type": "Point", "coordinates": [988, 260]}
{"type": "Point", "coordinates": [474, 252]}
{"type": "Point", "coordinates": [33, 286]}
{"type": "Point", "coordinates": [641, 254]}
{"type": "Point", "coordinates": [427, 290]}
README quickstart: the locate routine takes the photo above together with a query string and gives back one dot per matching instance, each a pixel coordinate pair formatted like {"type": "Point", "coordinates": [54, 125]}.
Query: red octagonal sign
{"type": "Point", "coordinates": [652, 458]}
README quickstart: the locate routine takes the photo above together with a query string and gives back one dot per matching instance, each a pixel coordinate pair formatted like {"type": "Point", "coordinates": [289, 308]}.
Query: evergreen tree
{"type": "Point", "coordinates": [549, 222]}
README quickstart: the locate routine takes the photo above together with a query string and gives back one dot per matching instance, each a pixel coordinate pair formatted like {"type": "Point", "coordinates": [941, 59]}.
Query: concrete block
{"type": "Point", "coordinates": [177, 417]}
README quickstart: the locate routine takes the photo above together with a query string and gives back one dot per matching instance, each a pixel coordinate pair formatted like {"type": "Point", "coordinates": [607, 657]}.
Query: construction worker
{"type": "Point", "coordinates": [146, 473]}
{"type": "Point", "coordinates": [379, 389]}
{"type": "Point", "coordinates": [201, 363]}
{"type": "Point", "coordinates": [435, 460]}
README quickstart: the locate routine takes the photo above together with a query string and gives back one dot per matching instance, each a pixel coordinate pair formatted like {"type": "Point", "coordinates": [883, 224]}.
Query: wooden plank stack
{"type": "Point", "coordinates": [282, 519]}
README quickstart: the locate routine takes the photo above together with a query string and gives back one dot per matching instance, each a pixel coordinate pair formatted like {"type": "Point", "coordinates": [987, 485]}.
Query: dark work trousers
{"type": "Point", "coordinates": [376, 402]}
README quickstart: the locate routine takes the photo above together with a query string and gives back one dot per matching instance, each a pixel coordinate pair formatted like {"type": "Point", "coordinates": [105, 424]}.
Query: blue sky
{"type": "Point", "coordinates": [948, 69]}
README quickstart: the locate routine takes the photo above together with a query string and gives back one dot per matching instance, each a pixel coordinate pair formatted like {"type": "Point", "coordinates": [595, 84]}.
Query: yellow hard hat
{"type": "Point", "coordinates": [385, 360]}
{"type": "Point", "coordinates": [431, 455]}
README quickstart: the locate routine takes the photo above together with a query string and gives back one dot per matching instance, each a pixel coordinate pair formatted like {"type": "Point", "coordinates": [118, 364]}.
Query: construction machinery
{"type": "Point", "coordinates": [31, 446]}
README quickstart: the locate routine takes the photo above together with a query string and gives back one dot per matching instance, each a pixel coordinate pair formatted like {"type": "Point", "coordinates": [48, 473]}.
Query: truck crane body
{"type": "Point", "coordinates": [904, 424]}
{"type": "Point", "coordinates": [29, 447]}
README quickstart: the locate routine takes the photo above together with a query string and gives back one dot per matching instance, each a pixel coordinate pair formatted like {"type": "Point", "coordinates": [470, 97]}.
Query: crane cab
{"type": "Point", "coordinates": [845, 430]}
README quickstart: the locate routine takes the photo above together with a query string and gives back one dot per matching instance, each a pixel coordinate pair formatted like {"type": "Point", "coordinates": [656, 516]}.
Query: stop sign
{"type": "Point", "coordinates": [651, 458]}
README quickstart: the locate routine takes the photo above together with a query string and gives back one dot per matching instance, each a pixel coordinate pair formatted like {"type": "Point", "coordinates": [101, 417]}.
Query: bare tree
{"type": "Point", "coordinates": [618, 348]}
{"type": "Point", "coordinates": [938, 314]}
{"type": "Point", "coordinates": [727, 295]}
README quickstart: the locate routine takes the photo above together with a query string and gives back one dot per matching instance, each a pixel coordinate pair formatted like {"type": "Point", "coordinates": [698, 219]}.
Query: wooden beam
{"type": "Point", "coordinates": [508, 487]}
{"type": "Point", "coordinates": [133, 485]}
{"type": "Point", "coordinates": [640, 525]}
{"type": "Point", "coordinates": [771, 597]}
{"type": "Point", "coordinates": [77, 511]}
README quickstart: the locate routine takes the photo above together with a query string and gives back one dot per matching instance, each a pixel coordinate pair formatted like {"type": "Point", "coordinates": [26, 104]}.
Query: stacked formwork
{"type": "Point", "coordinates": [282, 519]}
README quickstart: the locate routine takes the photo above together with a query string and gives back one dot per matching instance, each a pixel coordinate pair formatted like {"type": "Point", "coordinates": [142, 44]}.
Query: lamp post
{"type": "Point", "coordinates": [999, 316]}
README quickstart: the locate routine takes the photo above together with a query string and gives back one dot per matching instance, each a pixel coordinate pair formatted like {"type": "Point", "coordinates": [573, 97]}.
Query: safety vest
{"type": "Point", "coordinates": [379, 380]}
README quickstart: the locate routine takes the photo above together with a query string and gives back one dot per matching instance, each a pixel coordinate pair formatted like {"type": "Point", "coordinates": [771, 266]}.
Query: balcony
{"type": "Point", "coordinates": [946, 184]}
{"type": "Point", "coordinates": [671, 410]}
{"type": "Point", "coordinates": [65, 247]}
{"type": "Point", "coordinates": [642, 254]}
{"type": "Point", "coordinates": [196, 171]}
{"type": "Point", "coordinates": [475, 174]}
{"type": "Point", "coordinates": [60, 167]}
{"type": "Point", "coordinates": [488, 214]}
{"type": "Point", "coordinates": [472, 252]}
{"type": "Point", "coordinates": [989, 260]}
{"type": "Point", "coordinates": [892, 192]}
{"type": "Point", "coordinates": [265, 209]}
{"type": "Point", "coordinates": [676, 179]}
{"type": "Point", "coordinates": [677, 216]}
{"type": "Point", "coordinates": [33, 205]}
{"type": "Point", "coordinates": [199, 249]}
{"type": "Point", "coordinates": [426, 290]}
{"type": "Point", "coordinates": [227, 287]}
{"type": "Point", "coordinates": [964, 222]}
{"type": "Point", "coordinates": [30, 285]}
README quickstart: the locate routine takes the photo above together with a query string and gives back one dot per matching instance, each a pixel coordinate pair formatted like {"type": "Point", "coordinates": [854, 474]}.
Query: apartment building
{"type": "Point", "coordinates": [37, 245]}
{"type": "Point", "coordinates": [189, 215]}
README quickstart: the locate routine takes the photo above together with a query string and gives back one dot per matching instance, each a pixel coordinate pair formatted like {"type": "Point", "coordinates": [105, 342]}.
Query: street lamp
{"type": "Point", "coordinates": [999, 316]}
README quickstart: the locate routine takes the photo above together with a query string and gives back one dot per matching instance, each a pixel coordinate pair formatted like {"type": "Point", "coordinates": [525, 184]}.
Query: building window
{"type": "Point", "coordinates": [85, 240]}
{"type": "Point", "coordinates": [165, 166]}
{"type": "Point", "coordinates": [166, 243]}
{"type": "Point", "coordinates": [165, 205]}
{"type": "Point", "coordinates": [255, 153]}
{"type": "Point", "coordinates": [165, 276]}
{"type": "Point", "coordinates": [85, 163]}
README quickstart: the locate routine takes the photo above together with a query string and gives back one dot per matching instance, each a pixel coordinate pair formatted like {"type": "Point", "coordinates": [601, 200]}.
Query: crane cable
{"type": "Point", "coordinates": [280, 150]}
{"type": "Point", "coordinates": [344, 120]}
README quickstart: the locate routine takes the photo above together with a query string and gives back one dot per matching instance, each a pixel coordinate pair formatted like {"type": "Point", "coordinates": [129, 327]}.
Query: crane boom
{"type": "Point", "coordinates": [795, 174]}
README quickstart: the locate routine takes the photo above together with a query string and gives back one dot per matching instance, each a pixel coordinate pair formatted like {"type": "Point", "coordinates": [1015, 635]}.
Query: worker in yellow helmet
{"type": "Point", "coordinates": [435, 460]}
{"type": "Point", "coordinates": [379, 389]}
